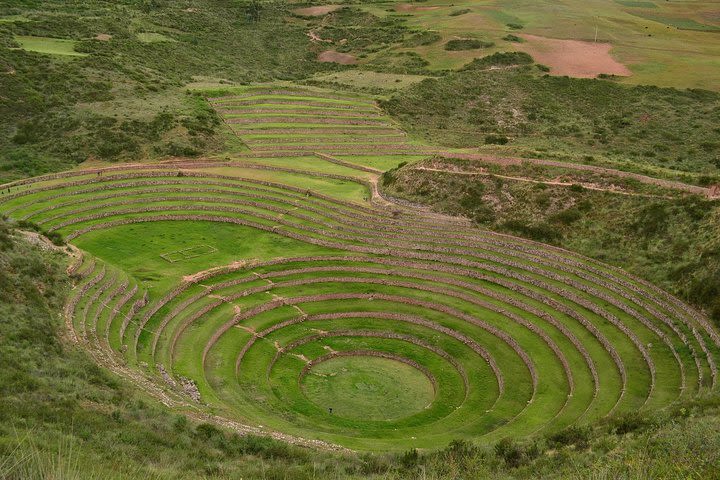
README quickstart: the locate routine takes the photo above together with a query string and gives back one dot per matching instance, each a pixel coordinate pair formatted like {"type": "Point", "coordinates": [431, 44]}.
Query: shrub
{"type": "Point", "coordinates": [651, 220]}
{"type": "Point", "coordinates": [467, 44]}
{"type": "Point", "coordinates": [628, 422]}
{"type": "Point", "coordinates": [512, 38]}
{"type": "Point", "coordinates": [541, 232]}
{"type": "Point", "coordinates": [462, 11]}
{"type": "Point", "coordinates": [510, 452]}
{"type": "Point", "coordinates": [410, 458]}
{"type": "Point", "coordinates": [515, 26]}
{"type": "Point", "coordinates": [422, 38]}
{"type": "Point", "coordinates": [460, 451]}
{"type": "Point", "coordinates": [579, 436]}
{"type": "Point", "coordinates": [496, 140]}
{"type": "Point", "coordinates": [499, 59]}
{"type": "Point", "coordinates": [707, 180]}
{"type": "Point", "coordinates": [56, 238]}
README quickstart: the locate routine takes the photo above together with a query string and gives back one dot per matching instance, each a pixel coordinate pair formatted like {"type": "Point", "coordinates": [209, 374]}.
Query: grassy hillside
{"type": "Point", "coordinates": [95, 80]}
{"type": "Point", "coordinates": [671, 44]}
{"type": "Point", "coordinates": [531, 114]}
{"type": "Point", "coordinates": [87, 79]}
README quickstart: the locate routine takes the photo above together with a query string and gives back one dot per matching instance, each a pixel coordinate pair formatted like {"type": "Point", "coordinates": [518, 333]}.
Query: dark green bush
{"type": "Point", "coordinates": [499, 59]}
{"type": "Point", "coordinates": [496, 140]}
{"type": "Point", "coordinates": [627, 423]}
{"type": "Point", "coordinates": [567, 217]}
{"type": "Point", "coordinates": [579, 436]}
{"type": "Point", "coordinates": [421, 39]}
{"type": "Point", "coordinates": [541, 232]}
{"type": "Point", "coordinates": [467, 44]}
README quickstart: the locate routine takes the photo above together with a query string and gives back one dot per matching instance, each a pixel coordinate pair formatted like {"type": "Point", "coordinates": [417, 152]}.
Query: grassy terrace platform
{"type": "Point", "coordinates": [272, 294]}
{"type": "Point", "coordinates": [273, 120]}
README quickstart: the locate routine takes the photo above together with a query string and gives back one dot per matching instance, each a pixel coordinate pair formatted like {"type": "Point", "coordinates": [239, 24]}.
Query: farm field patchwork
{"type": "Point", "coordinates": [303, 305]}
{"type": "Point", "coordinates": [661, 43]}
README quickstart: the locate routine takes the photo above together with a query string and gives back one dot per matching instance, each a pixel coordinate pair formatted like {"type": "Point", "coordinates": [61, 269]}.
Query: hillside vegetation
{"type": "Point", "coordinates": [124, 99]}
{"type": "Point", "coordinates": [591, 121]}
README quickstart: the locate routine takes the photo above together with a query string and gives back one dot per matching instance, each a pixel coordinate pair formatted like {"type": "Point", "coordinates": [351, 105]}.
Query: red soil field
{"type": "Point", "coordinates": [574, 58]}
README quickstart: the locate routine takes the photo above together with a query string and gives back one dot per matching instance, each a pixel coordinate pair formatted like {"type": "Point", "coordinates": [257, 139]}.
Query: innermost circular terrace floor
{"type": "Point", "coordinates": [368, 388]}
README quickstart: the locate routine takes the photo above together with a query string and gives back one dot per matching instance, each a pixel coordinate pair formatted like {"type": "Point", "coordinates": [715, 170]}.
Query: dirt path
{"type": "Point", "coordinates": [355, 166]}
{"type": "Point", "coordinates": [672, 184]}
{"type": "Point", "coordinates": [331, 56]}
{"type": "Point", "coordinates": [587, 186]}
{"type": "Point", "coordinates": [43, 242]}
{"type": "Point", "coordinates": [316, 11]}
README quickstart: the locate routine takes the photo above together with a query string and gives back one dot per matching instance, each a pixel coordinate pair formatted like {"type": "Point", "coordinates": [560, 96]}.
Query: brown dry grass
{"type": "Point", "coordinates": [574, 58]}
{"type": "Point", "coordinates": [336, 57]}
{"type": "Point", "coordinates": [316, 11]}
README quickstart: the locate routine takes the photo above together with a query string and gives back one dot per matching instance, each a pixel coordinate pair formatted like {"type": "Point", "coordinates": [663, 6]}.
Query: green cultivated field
{"type": "Point", "coordinates": [53, 46]}
{"type": "Point", "coordinates": [663, 43]}
{"type": "Point", "coordinates": [366, 388]}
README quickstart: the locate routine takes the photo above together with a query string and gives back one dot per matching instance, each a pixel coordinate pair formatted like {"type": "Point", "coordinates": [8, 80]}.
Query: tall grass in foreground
{"type": "Point", "coordinates": [30, 461]}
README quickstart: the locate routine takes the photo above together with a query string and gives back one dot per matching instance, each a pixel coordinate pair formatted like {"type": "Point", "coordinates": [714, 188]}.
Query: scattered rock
{"type": "Point", "coordinates": [190, 388]}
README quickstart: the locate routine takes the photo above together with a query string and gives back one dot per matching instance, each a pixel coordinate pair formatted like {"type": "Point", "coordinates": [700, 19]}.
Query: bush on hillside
{"type": "Point", "coordinates": [467, 44]}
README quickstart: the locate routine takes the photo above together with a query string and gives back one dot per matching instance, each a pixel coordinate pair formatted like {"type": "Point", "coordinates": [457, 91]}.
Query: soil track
{"type": "Point", "coordinates": [672, 184]}
{"type": "Point", "coordinates": [530, 180]}
{"type": "Point", "coordinates": [574, 58]}
{"type": "Point", "coordinates": [331, 56]}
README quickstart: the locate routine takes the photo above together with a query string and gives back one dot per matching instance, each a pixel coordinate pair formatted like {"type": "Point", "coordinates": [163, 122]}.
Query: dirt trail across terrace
{"type": "Point", "coordinates": [379, 199]}
{"type": "Point", "coordinates": [672, 184]}
{"type": "Point", "coordinates": [587, 186]}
